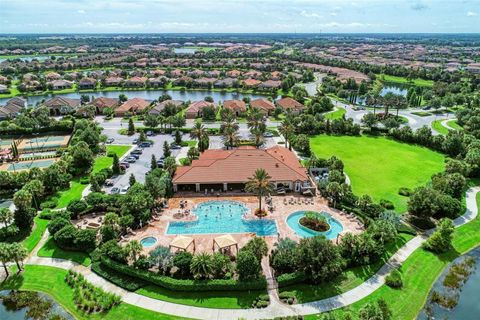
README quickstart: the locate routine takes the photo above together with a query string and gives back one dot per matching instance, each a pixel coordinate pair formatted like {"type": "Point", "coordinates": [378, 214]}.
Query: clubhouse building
{"type": "Point", "coordinates": [229, 170]}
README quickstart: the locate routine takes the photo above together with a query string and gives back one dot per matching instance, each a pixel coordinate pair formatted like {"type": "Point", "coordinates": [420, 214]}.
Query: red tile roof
{"type": "Point", "coordinates": [289, 103]}
{"type": "Point", "coordinates": [236, 166]}
{"type": "Point", "coordinates": [196, 106]}
{"type": "Point", "coordinates": [133, 105]}
{"type": "Point", "coordinates": [263, 104]}
{"type": "Point", "coordinates": [235, 105]}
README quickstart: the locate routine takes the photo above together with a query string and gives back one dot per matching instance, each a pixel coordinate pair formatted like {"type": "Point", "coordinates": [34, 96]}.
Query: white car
{"type": "Point", "coordinates": [124, 189]}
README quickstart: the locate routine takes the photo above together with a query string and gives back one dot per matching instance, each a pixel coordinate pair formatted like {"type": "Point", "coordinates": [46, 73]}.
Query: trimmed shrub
{"type": "Point", "coordinates": [49, 204]}
{"type": "Point", "coordinates": [394, 279]}
{"type": "Point", "coordinates": [77, 207]}
{"type": "Point", "coordinates": [288, 279]}
{"type": "Point", "coordinates": [387, 204]}
{"type": "Point", "coordinates": [185, 285]}
{"type": "Point", "coordinates": [406, 192]}
{"type": "Point", "coordinates": [57, 224]}
{"type": "Point", "coordinates": [121, 280]}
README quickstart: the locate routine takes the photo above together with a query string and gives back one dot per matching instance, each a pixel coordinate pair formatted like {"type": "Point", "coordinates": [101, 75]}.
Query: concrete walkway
{"type": "Point", "coordinates": [445, 124]}
{"type": "Point", "coordinates": [276, 308]}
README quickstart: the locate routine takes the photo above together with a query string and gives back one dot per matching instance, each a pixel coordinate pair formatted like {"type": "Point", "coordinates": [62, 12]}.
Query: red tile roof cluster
{"type": "Point", "coordinates": [262, 104]}
{"type": "Point", "coordinates": [289, 103]}
{"type": "Point", "coordinates": [235, 105]}
{"type": "Point", "coordinates": [236, 166]}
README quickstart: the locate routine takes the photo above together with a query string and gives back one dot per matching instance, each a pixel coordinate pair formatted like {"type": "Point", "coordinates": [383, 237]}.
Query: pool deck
{"type": "Point", "coordinates": [204, 242]}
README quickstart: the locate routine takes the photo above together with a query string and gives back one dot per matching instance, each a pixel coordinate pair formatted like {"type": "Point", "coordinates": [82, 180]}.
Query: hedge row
{"type": "Point", "coordinates": [287, 279]}
{"type": "Point", "coordinates": [185, 285]}
{"type": "Point", "coordinates": [121, 280]}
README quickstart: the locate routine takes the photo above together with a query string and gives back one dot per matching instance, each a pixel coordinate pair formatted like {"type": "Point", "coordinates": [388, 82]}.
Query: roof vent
{"type": "Point", "coordinates": [276, 165]}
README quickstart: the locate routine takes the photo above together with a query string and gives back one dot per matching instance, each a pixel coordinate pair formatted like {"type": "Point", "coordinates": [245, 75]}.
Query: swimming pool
{"type": "Point", "coordinates": [222, 216]}
{"type": "Point", "coordinates": [148, 241]}
{"type": "Point", "coordinates": [293, 222]}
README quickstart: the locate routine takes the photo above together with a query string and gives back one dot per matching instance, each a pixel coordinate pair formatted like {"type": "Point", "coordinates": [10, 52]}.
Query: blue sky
{"type": "Point", "coordinates": [157, 16]}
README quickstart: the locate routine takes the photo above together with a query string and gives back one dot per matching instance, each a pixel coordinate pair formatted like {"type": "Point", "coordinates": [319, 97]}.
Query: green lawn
{"type": "Point", "coordinates": [51, 250]}
{"type": "Point", "coordinates": [337, 114]}
{"type": "Point", "coordinates": [38, 229]}
{"type": "Point", "coordinates": [437, 126]}
{"type": "Point", "coordinates": [73, 193]}
{"type": "Point", "coordinates": [106, 162]}
{"type": "Point", "coordinates": [348, 280]}
{"type": "Point", "coordinates": [454, 124]}
{"type": "Point", "coordinates": [223, 300]}
{"type": "Point", "coordinates": [50, 280]}
{"type": "Point", "coordinates": [379, 166]}
{"type": "Point", "coordinates": [420, 271]}
{"type": "Point", "coordinates": [418, 82]}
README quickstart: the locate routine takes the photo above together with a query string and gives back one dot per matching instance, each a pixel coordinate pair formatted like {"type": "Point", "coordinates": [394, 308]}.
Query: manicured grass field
{"type": "Point", "coordinates": [50, 280]}
{"type": "Point", "coordinates": [418, 82]}
{"type": "Point", "coordinates": [106, 162]}
{"type": "Point", "coordinates": [337, 114]}
{"type": "Point", "coordinates": [437, 126]}
{"type": "Point", "coordinates": [223, 300]}
{"type": "Point", "coordinates": [379, 166]}
{"type": "Point", "coordinates": [454, 124]}
{"type": "Point", "coordinates": [348, 280]}
{"type": "Point", "coordinates": [51, 250]}
{"type": "Point", "coordinates": [38, 229]}
{"type": "Point", "coordinates": [419, 272]}
{"type": "Point", "coordinates": [73, 193]}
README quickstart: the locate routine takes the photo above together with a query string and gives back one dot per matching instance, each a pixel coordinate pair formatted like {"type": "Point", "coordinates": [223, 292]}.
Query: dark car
{"type": "Point", "coordinates": [110, 140]}
{"type": "Point", "coordinates": [174, 146]}
{"type": "Point", "coordinates": [134, 155]}
{"type": "Point", "coordinates": [114, 190]}
{"type": "Point", "coordinates": [135, 141]}
{"type": "Point", "coordinates": [125, 164]}
{"type": "Point", "coordinates": [145, 144]}
{"type": "Point", "coordinates": [160, 163]}
{"type": "Point", "coordinates": [131, 160]}
{"type": "Point", "coordinates": [137, 151]}
{"type": "Point", "coordinates": [149, 133]}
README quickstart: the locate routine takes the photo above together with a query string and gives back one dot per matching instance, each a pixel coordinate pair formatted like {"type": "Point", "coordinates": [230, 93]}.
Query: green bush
{"type": "Point", "coordinates": [121, 280]}
{"type": "Point", "coordinates": [49, 204]}
{"type": "Point", "coordinates": [46, 214]}
{"type": "Point", "coordinates": [406, 192]}
{"type": "Point", "coordinates": [288, 279]}
{"type": "Point", "coordinates": [394, 279]}
{"type": "Point", "coordinates": [186, 285]}
{"type": "Point", "coordinates": [286, 295]}
{"type": "Point", "coordinates": [387, 204]}
{"type": "Point", "coordinates": [84, 180]}
{"type": "Point", "coordinates": [57, 224]}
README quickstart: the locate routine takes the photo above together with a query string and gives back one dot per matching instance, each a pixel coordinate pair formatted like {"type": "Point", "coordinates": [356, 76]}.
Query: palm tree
{"type": "Point", "coordinates": [5, 256]}
{"type": "Point", "coordinates": [287, 129]}
{"type": "Point", "coordinates": [134, 248]}
{"type": "Point", "coordinates": [18, 253]}
{"type": "Point", "coordinates": [258, 137]}
{"type": "Point", "coordinates": [230, 137]}
{"type": "Point", "coordinates": [198, 131]}
{"type": "Point", "coordinates": [5, 216]}
{"type": "Point", "coordinates": [162, 257]}
{"type": "Point", "coordinates": [201, 266]}
{"type": "Point", "coordinates": [260, 185]}
{"type": "Point", "coordinates": [255, 119]}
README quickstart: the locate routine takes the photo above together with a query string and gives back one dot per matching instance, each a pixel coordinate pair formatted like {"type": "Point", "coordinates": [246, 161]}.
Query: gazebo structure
{"type": "Point", "coordinates": [182, 243]}
{"type": "Point", "coordinates": [223, 242]}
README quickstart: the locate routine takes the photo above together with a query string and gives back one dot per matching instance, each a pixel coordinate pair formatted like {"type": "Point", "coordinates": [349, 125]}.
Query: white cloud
{"type": "Point", "coordinates": [81, 11]}
{"type": "Point", "coordinates": [307, 14]}
{"type": "Point", "coordinates": [471, 14]}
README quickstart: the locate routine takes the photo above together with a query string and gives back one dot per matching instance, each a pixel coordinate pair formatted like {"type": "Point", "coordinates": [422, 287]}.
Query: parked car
{"type": "Point", "coordinates": [114, 190]}
{"type": "Point", "coordinates": [110, 140]}
{"type": "Point", "coordinates": [160, 163]}
{"type": "Point", "coordinates": [150, 133]}
{"type": "Point", "coordinates": [137, 151]}
{"type": "Point", "coordinates": [145, 144]}
{"type": "Point", "coordinates": [135, 141]}
{"type": "Point", "coordinates": [268, 134]}
{"type": "Point", "coordinates": [124, 189]}
{"type": "Point", "coordinates": [125, 164]}
{"type": "Point", "coordinates": [134, 155]}
{"type": "Point", "coordinates": [131, 160]}
{"type": "Point", "coordinates": [174, 146]}
{"type": "Point", "coordinates": [109, 182]}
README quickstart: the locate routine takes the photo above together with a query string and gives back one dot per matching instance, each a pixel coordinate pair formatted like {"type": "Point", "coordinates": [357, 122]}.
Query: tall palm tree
{"type": "Point", "coordinates": [134, 248]}
{"type": "Point", "coordinates": [258, 137]}
{"type": "Point", "coordinates": [18, 254]}
{"type": "Point", "coordinates": [259, 184]}
{"type": "Point", "coordinates": [198, 131]}
{"type": "Point", "coordinates": [5, 256]}
{"type": "Point", "coordinates": [255, 119]}
{"type": "Point", "coordinates": [5, 216]}
{"type": "Point", "coordinates": [201, 265]}
{"type": "Point", "coordinates": [287, 129]}
{"type": "Point", "coordinates": [229, 130]}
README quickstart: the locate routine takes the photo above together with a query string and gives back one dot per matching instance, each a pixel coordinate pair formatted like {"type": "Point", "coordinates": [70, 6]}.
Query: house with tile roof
{"type": "Point", "coordinates": [61, 105]}
{"type": "Point", "coordinates": [229, 170]}
{"type": "Point", "coordinates": [288, 103]}
{"type": "Point", "coordinates": [134, 106]}
{"type": "Point", "coordinates": [263, 105]}
{"type": "Point", "coordinates": [237, 106]}
{"type": "Point", "coordinates": [195, 109]}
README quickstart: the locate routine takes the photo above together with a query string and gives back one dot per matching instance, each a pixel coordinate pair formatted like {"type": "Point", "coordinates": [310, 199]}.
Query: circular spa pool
{"type": "Point", "coordinates": [293, 221]}
{"type": "Point", "coordinates": [148, 241]}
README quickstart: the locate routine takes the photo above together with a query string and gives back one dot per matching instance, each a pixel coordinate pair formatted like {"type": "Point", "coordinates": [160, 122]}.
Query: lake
{"type": "Point", "coordinates": [26, 58]}
{"type": "Point", "coordinates": [184, 50]}
{"type": "Point", "coordinates": [148, 95]}
{"type": "Point", "coordinates": [394, 88]}
{"type": "Point", "coordinates": [468, 307]}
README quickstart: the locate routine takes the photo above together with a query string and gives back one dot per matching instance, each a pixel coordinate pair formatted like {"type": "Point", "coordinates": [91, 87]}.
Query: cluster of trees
{"type": "Point", "coordinates": [12, 252]}
{"type": "Point", "coordinates": [320, 260]}
{"type": "Point", "coordinates": [185, 265]}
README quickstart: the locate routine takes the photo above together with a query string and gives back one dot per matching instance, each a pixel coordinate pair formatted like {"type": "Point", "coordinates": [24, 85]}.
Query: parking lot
{"type": "Point", "coordinates": [141, 166]}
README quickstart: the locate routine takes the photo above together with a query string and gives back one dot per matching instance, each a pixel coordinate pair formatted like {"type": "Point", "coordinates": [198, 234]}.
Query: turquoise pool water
{"type": "Point", "coordinates": [293, 222]}
{"type": "Point", "coordinates": [148, 241]}
{"type": "Point", "coordinates": [222, 217]}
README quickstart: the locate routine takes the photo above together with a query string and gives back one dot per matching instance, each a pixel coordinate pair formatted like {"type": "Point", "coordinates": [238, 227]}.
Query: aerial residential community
{"type": "Point", "coordinates": [300, 160]}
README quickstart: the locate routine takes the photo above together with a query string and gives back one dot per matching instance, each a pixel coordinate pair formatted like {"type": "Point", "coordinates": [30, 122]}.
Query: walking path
{"type": "Point", "coordinates": [276, 308]}
{"type": "Point", "coordinates": [446, 125]}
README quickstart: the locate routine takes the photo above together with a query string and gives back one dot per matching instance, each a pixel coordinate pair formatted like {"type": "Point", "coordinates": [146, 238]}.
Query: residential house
{"type": "Point", "coordinates": [61, 84]}
{"type": "Point", "coordinates": [270, 84]}
{"type": "Point", "coordinates": [195, 109]}
{"type": "Point", "coordinates": [159, 107]}
{"type": "Point", "coordinates": [237, 106]}
{"type": "Point", "coordinates": [263, 105]}
{"type": "Point", "coordinates": [61, 105]}
{"type": "Point", "coordinates": [234, 73]}
{"type": "Point", "coordinates": [290, 104]}
{"type": "Point", "coordinates": [251, 83]}
{"type": "Point", "coordinates": [87, 84]}
{"type": "Point", "coordinates": [133, 106]}
{"type": "Point", "coordinates": [157, 82]}
{"type": "Point", "coordinates": [12, 108]}
{"type": "Point", "coordinates": [4, 89]}
{"type": "Point", "coordinates": [136, 82]}
{"type": "Point", "coordinates": [113, 81]}
{"type": "Point", "coordinates": [102, 103]}
{"type": "Point", "coordinates": [225, 83]}
{"type": "Point", "coordinates": [53, 76]}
